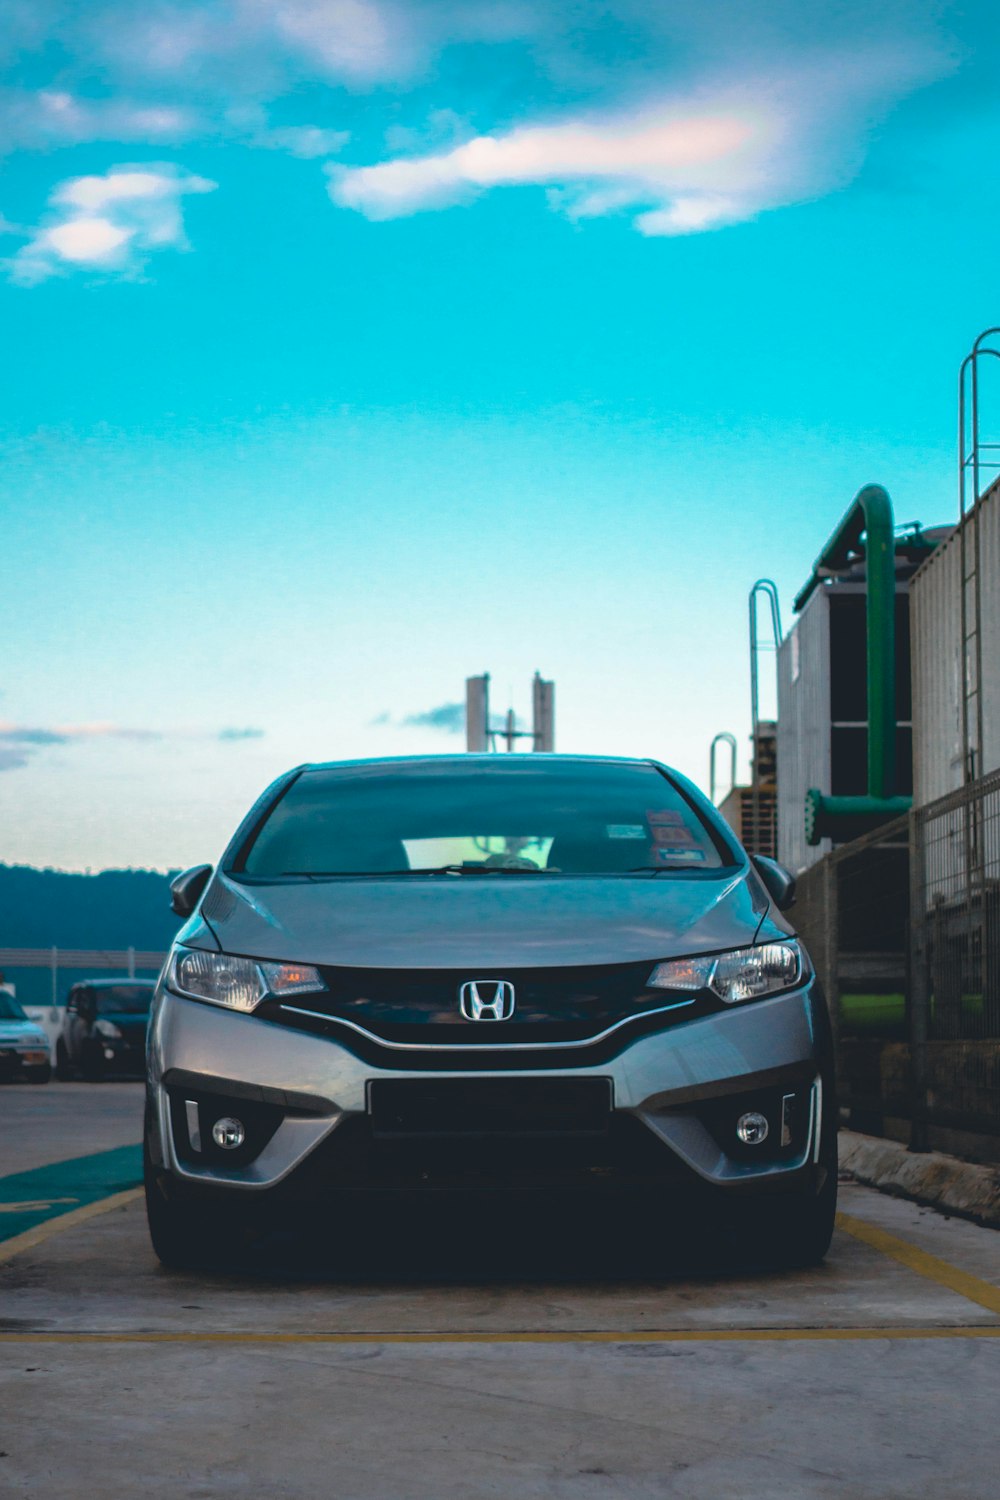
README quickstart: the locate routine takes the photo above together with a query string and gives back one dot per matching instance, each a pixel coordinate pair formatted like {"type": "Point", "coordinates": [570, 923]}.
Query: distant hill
{"type": "Point", "coordinates": [113, 909]}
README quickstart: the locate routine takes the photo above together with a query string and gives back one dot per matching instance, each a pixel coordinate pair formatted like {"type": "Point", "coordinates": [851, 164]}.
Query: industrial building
{"type": "Point", "coordinates": [888, 799]}
{"type": "Point", "coordinates": [936, 623]}
{"type": "Point", "coordinates": [823, 726]}
{"type": "Point", "coordinates": [751, 811]}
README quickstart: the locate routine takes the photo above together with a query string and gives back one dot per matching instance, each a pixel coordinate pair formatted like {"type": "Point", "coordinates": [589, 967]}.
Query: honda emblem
{"type": "Point", "coordinates": [486, 1000]}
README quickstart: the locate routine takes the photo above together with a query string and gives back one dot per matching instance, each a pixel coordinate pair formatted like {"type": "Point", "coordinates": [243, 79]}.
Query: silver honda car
{"type": "Point", "coordinates": [488, 973]}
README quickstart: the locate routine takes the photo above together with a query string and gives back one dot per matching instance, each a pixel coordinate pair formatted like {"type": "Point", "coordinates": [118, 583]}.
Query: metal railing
{"type": "Point", "coordinates": [92, 960]}
{"type": "Point", "coordinates": [904, 929]}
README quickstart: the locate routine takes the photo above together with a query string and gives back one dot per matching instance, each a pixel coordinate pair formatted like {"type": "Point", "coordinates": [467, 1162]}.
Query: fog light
{"type": "Point", "coordinates": [751, 1128]}
{"type": "Point", "coordinates": [108, 1054]}
{"type": "Point", "coordinates": [229, 1133]}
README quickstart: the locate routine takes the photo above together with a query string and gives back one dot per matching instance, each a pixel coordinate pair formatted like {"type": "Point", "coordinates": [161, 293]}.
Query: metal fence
{"type": "Point", "coordinates": [80, 961]}
{"type": "Point", "coordinates": [904, 928]}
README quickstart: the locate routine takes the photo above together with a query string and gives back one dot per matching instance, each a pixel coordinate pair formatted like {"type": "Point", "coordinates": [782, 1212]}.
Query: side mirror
{"type": "Point", "coordinates": [186, 889]}
{"type": "Point", "coordinates": [778, 882]}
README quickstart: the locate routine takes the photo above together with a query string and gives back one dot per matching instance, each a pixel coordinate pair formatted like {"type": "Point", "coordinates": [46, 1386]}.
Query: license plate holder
{"type": "Point", "coordinates": [477, 1108]}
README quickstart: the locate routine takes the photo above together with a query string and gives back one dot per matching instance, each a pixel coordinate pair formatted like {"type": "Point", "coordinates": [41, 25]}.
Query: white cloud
{"type": "Point", "coordinates": [108, 223]}
{"type": "Point", "coordinates": [353, 39]}
{"type": "Point", "coordinates": [686, 115]}
{"type": "Point", "coordinates": [19, 743]}
{"type": "Point", "coordinates": [84, 241]}
{"type": "Point", "coordinates": [306, 141]}
{"type": "Point", "coordinates": [599, 164]}
{"type": "Point", "coordinates": [250, 124]}
{"type": "Point", "coordinates": [364, 42]}
{"type": "Point", "coordinates": [680, 166]}
{"type": "Point", "coordinates": [32, 118]}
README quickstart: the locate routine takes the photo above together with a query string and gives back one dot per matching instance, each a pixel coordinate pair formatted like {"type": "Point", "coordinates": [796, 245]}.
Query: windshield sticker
{"type": "Point", "coordinates": [675, 837]}
{"type": "Point", "coordinates": [665, 819]}
{"type": "Point", "coordinates": [626, 831]}
{"type": "Point", "coordinates": [667, 855]}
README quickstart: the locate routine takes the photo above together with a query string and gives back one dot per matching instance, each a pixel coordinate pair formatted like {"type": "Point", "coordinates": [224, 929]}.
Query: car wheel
{"type": "Point", "coordinates": [63, 1070]}
{"type": "Point", "coordinates": [91, 1065]}
{"type": "Point", "coordinates": [787, 1232]}
{"type": "Point", "coordinates": [186, 1236]}
{"type": "Point", "coordinates": [803, 1229]}
{"type": "Point", "coordinates": [41, 1074]}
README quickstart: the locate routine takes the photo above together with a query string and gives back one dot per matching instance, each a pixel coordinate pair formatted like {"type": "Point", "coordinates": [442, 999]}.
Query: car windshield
{"type": "Point", "coordinates": [9, 1008]}
{"type": "Point", "coordinates": [507, 816]}
{"type": "Point", "coordinates": [122, 999]}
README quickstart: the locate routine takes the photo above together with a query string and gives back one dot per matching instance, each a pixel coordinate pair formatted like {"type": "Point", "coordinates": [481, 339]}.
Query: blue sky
{"type": "Point", "coordinates": [357, 346]}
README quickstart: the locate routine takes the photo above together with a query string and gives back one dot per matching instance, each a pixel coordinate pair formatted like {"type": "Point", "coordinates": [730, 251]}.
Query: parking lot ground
{"type": "Point", "coordinates": [541, 1352]}
{"type": "Point", "coordinates": [55, 1122]}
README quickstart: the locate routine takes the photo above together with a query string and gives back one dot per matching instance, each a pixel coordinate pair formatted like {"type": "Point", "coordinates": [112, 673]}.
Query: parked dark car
{"type": "Point", "coordinates": [488, 972]}
{"type": "Point", "coordinates": [104, 1029]}
{"type": "Point", "coordinates": [24, 1046]}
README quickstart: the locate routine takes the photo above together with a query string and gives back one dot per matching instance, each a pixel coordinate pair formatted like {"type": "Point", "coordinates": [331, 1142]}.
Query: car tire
{"type": "Point", "coordinates": [40, 1074]}
{"type": "Point", "coordinates": [186, 1236]}
{"type": "Point", "coordinates": [789, 1232]}
{"type": "Point", "coordinates": [91, 1065]}
{"type": "Point", "coordinates": [63, 1070]}
{"type": "Point", "coordinates": [803, 1228]}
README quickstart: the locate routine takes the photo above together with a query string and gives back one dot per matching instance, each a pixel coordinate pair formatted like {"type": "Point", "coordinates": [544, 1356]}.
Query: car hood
{"type": "Point", "coordinates": [482, 921]}
{"type": "Point", "coordinates": [16, 1031]}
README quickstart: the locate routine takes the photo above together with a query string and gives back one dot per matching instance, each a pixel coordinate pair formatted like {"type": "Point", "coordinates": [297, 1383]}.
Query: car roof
{"type": "Point", "coordinates": [536, 761]}
{"type": "Point", "coordinates": [112, 979]}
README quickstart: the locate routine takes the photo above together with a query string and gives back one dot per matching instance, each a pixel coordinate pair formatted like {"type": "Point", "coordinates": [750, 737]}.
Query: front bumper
{"type": "Point", "coordinates": [117, 1055]}
{"type": "Point", "coordinates": [17, 1059]}
{"type": "Point", "coordinates": [670, 1091]}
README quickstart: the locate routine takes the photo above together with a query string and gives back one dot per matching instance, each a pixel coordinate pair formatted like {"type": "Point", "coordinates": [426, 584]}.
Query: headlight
{"type": "Point", "coordinates": [239, 983]}
{"type": "Point", "coordinates": [744, 974]}
{"type": "Point", "coordinates": [107, 1028]}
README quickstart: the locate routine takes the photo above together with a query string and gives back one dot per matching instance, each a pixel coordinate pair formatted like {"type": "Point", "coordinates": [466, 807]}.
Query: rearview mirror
{"type": "Point", "coordinates": [186, 889]}
{"type": "Point", "coordinates": [778, 882]}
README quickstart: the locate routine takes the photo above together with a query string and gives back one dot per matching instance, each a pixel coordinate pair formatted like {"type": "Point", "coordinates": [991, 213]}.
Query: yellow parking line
{"type": "Point", "coordinates": [971, 1287]}
{"type": "Point", "coordinates": [41, 1232]}
{"type": "Point", "coordinates": [32, 1205]}
{"type": "Point", "coordinates": [528, 1336]}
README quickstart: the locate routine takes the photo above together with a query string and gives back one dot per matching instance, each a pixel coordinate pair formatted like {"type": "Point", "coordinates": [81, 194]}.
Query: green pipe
{"type": "Point", "coordinates": [870, 515]}
{"type": "Point", "coordinates": [849, 817]}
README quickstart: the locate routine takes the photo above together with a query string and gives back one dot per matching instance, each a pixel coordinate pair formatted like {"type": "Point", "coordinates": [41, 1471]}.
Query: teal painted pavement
{"type": "Point", "coordinates": [29, 1198]}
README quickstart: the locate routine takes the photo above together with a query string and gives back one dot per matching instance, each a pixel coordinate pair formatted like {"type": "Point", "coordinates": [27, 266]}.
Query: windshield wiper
{"type": "Point", "coordinates": [333, 874]}
{"type": "Point", "coordinates": [489, 870]}
{"type": "Point", "coordinates": [662, 869]}
{"type": "Point", "coordinates": [429, 870]}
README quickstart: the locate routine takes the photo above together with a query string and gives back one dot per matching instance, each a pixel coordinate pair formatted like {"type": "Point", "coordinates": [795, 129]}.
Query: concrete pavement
{"type": "Point", "coordinates": [415, 1366]}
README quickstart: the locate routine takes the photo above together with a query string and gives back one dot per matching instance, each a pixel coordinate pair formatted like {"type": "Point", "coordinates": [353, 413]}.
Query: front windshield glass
{"type": "Point", "coordinates": [516, 816]}
{"type": "Point", "coordinates": [122, 999]}
{"type": "Point", "coordinates": [9, 1008]}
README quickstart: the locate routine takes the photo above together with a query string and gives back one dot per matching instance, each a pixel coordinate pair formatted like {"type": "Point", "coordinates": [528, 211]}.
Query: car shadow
{"type": "Point", "coordinates": [471, 1240]}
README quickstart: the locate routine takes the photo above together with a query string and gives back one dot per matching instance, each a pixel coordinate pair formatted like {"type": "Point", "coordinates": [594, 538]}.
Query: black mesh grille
{"type": "Point", "coordinates": [422, 1007]}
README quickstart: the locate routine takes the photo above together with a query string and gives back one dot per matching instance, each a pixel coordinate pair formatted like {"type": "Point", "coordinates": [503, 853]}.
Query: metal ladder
{"type": "Point", "coordinates": [722, 738]}
{"type": "Point", "coordinates": [769, 590]}
{"type": "Point", "coordinates": [974, 458]}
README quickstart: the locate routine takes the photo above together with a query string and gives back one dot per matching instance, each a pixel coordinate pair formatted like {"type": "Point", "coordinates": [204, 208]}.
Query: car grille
{"type": "Point", "coordinates": [411, 1018]}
